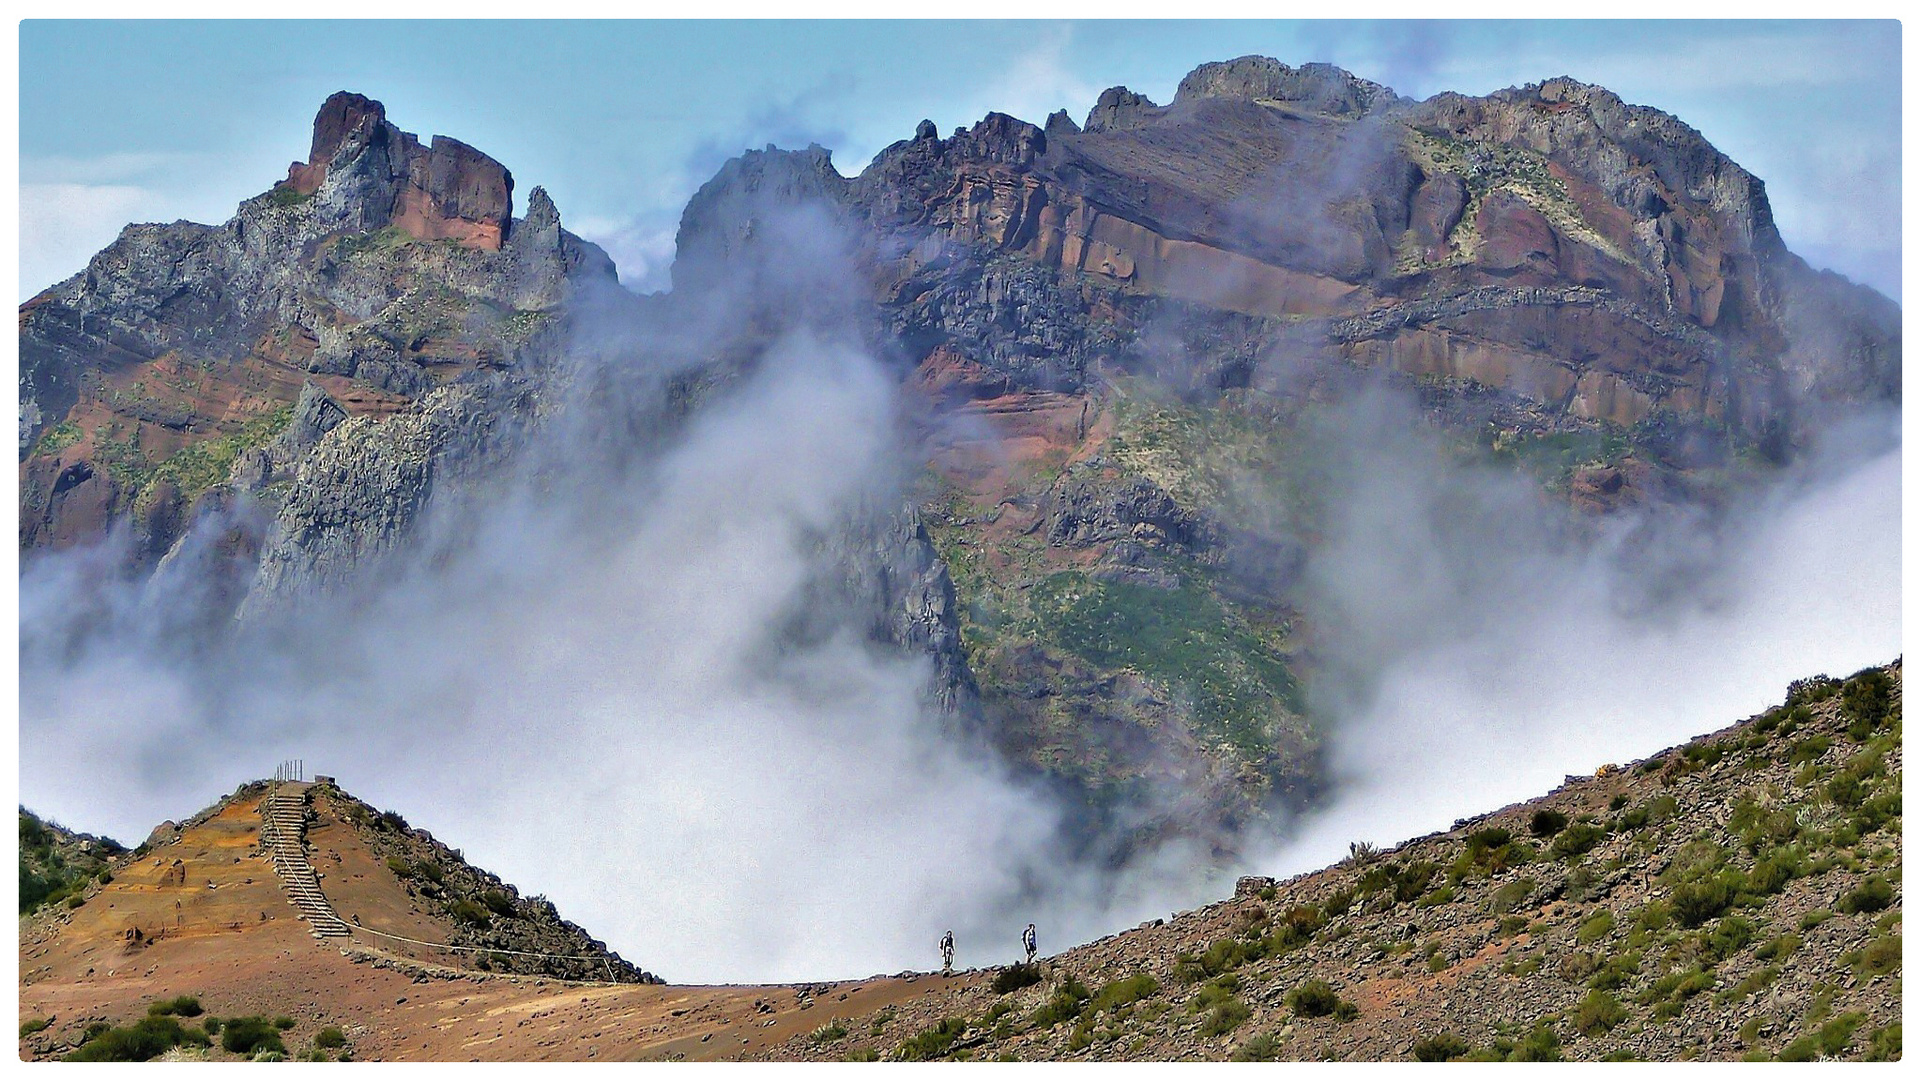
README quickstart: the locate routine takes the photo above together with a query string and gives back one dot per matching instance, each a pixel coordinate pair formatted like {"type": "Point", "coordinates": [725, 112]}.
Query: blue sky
{"type": "Point", "coordinates": [125, 121]}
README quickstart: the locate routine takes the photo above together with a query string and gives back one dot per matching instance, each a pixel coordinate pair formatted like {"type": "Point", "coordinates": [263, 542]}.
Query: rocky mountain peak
{"type": "Point", "coordinates": [722, 219]}
{"type": "Point", "coordinates": [1119, 109]}
{"type": "Point", "coordinates": [1322, 88]}
{"type": "Point", "coordinates": [364, 171]}
{"type": "Point", "coordinates": [342, 115]}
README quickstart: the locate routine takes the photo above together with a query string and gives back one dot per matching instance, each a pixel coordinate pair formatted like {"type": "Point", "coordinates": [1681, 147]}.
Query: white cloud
{"type": "Point", "coordinates": [1495, 672]}
{"type": "Point", "coordinates": [1038, 82]}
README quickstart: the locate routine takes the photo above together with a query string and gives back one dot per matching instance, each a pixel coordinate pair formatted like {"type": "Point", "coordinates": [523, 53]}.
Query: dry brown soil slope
{"type": "Point", "coordinates": [1737, 897]}
{"type": "Point", "coordinates": [213, 922]}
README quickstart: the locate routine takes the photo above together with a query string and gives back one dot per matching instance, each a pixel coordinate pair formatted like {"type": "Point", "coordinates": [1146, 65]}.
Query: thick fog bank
{"type": "Point", "coordinates": [1475, 661]}
{"type": "Point", "coordinates": [582, 676]}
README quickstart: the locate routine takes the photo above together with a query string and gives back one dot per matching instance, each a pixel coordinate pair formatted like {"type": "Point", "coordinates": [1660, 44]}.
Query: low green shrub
{"type": "Point", "coordinates": [1831, 1040]}
{"type": "Point", "coordinates": [1599, 1013]}
{"type": "Point", "coordinates": [1541, 1045]}
{"type": "Point", "coordinates": [330, 1038]}
{"type": "Point", "coordinates": [1225, 1011]}
{"type": "Point", "coordinates": [142, 1040]}
{"type": "Point", "coordinates": [1695, 902]}
{"type": "Point", "coordinates": [932, 1043]}
{"type": "Point", "coordinates": [1315, 997]}
{"type": "Point", "coordinates": [1594, 927]}
{"type": "Point", "coordinates": [1015, 977]}
{"type": "Point", "coordinates": [1226, 1015]}
{"type": "Point", "coordinates": [1885, 1044]}
{"type": "Point", "coordinates": [1873, 894]}
{"type": "Point", "coordinates": [1779, 948]}
{"type": "Point", "coordinates": [1867, 701]}
{"type": "Point", "coordinates": [184, 1005]}
{"type": "Point", "coordinates": [1728, 936]}
{"type": "Point", "coordinates": [1068, 999]}
{"type": "Point", "coordinates": [1546, 822]}
{"type": "Point", "coordinates": [470, 913]}
{"type": "Point", "coordinates": [1122, 992]}
{"type": "Point", "coordinates": [1577, 839]}
{"type": "Point", "coordinates": [1881, 956]}
{"type": "Point", "coordinates": [250, 1035]}
{"type": "Point", "coordinates": [1258, 1048]}
{"type": "Point", "coordinates": [1510, 896]}
{"type": "Point", "coordinates": [1445, 1046]}
{"type": "Point", "coordinates": [1615, 972]}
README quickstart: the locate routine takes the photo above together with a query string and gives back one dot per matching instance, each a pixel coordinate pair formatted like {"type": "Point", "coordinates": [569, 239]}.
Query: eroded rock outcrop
{"type": "Point", "coordinates": [365, 173]}
{"type": "Point", "coordinates": [167, 370]}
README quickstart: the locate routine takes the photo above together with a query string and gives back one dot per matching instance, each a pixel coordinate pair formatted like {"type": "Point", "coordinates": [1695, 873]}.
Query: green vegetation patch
{"type": "Point", "coordinates": [1881, 956]}
{"type": "Point", "coordinates": [1831, 1040]}
{"type": "Point", "coordinates": [933, 1043]}
{"type": "Point", "coordinates": [57, 438]}
{"type": "Point", "coordinates": [250, 1035]}
{"type": "Point", "coordinates": [143, 1040]}
{"type": "Point", "coordinates": [184, 1005]}
{"type": "Point", "coordinates": [54, 873]}
{"type": "Point", "coordinates": [1445, 1046]}
{"type": "Point", "coordinates": [1599, 1013]}
{"type": "Point", "coordinates": [1258, 1048]}
{"type": "Point", "coordinates": [1122, 992]}
{"type": "Point", "coordinates": [1873, 894]}
{"type": "Point", "coordinates": [1067, 1002]}
{"type": "Point", "coordinates": [1182, 638]}
{"type": "Point", "coordinates": [1316, 997]}
{"type": "Point", "coordinates": [1594, 927]}
{"type": "Point", "coordinates": [285, 194]}
{"type": "Point", "coordinates": [1016, 977]}
{"type": "Point", "coordinates": [1223, 1008]}
{"type": "Point", "coordinates": [204, 464]}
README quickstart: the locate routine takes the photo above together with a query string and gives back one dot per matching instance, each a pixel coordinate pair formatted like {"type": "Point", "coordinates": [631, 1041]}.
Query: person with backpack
{"type": "Point", "coordinates": [946, 954]}
{"type": "Point", "coordinates": [1030, 941]}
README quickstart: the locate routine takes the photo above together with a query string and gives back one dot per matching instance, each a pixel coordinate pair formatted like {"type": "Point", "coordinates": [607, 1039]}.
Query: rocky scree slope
{"type": "Point", "coordinates": [1737, 897]}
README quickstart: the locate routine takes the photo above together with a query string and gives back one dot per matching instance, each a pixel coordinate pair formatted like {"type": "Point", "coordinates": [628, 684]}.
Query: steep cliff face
{"type": "Point", "coordinates": [1291, 194]}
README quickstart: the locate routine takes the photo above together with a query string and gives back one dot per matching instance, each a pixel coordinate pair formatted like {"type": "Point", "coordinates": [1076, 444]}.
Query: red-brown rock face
{"type": "Point", "coordinates": [446, 190]}
{"type": "Point", "coordinates": [1515, 237]}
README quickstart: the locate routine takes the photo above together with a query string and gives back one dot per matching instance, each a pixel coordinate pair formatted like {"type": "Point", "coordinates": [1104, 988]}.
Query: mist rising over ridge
{"type": "Point", "coordinates": [1048, 519]}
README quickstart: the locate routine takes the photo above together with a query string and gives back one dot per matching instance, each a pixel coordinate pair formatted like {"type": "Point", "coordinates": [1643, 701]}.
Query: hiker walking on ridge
{"type": "Point", "coordinates": [946, 953]}
{"type": "Point", "coordinates": [1030, 941]}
